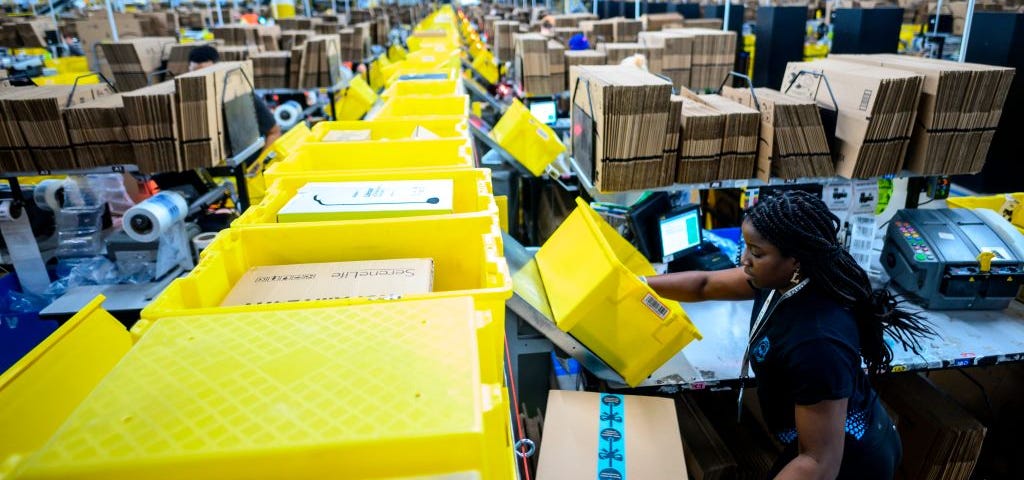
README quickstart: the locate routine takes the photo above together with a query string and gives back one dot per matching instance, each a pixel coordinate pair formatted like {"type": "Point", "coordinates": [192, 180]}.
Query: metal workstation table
{"type": "Point", "coordinates": [966, 338]}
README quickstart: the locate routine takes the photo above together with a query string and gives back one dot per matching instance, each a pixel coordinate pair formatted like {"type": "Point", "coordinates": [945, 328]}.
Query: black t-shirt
{"type": "Point", "coordinates": [807, 352]}
{"type": "Point", "coordinates": [264, 119]}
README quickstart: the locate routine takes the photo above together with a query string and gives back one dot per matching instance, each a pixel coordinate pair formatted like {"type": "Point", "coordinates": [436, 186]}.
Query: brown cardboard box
{"type": "Point", "coordinates": [323, 281]}
{"type": "Point", "coordinates": [627, 109]}
{"type": "Point", "coordinates": [877, 110]}
{"type": "Point", "coordinates": [578, 445]}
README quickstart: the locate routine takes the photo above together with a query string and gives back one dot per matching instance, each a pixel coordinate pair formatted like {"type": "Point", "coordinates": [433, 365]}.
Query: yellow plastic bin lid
{"type": "Point", "coordinates": [371, 391]}
{"type": "Point", "coordinates": [45, 386]}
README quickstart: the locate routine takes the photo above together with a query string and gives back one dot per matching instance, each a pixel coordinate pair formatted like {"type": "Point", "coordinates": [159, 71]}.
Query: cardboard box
{"type": "Point", "coordinates": [578, 445]}
{"type": "Point", "coordinates": [325, 201]}
{"type": "Point", "coordinates": [323, 281]}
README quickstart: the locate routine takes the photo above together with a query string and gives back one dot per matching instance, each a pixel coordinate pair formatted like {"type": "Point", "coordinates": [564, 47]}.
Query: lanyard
{"type": "Point", "coordinates": [762, 320]}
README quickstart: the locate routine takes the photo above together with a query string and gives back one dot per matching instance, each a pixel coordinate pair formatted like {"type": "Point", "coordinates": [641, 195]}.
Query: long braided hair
{"type": "Point", "coordinates": [801, 226]}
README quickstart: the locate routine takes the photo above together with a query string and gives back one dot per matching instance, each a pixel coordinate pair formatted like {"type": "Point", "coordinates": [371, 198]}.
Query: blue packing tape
{"type": "Point", "coordinates": [611, 450]}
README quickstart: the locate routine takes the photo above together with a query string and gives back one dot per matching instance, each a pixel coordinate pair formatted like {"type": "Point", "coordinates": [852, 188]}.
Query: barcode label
{"type": "Point", "coordinates": [865, 99]}
{"type": "Point", "coordinates": [657, 307]}
{"type": "Point", "coordinates": [861, 245]}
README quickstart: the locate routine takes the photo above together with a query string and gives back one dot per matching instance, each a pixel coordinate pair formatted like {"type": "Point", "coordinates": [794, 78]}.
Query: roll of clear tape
{"type": "Point", "coordinates": [151, 218]}
{"type": "Point", "coordinates": [22, 246]}
{"type": "Point", "coordinates": [47, 195]}
{"type": "Point", "coordinates": [287, 114]}
{"type": "Point", "coordinates": [201, 241]}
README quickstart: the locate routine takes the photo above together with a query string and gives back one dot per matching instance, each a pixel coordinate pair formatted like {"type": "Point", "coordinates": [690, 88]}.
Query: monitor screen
{"type": "Point", "coordinates": [680, 232]}
{"type": "Point", "coordinates": [544, 111]}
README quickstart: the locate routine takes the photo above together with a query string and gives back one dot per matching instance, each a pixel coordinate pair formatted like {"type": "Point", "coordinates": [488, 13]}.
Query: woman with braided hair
{"type": "Point", "coordinates": [815, 318]}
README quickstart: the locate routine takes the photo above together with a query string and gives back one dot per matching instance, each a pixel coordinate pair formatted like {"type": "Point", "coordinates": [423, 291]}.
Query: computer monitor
{"type": "Point", "coordinates": [680, 232]}
{"type": "Point", "coordinates": [544, 110]}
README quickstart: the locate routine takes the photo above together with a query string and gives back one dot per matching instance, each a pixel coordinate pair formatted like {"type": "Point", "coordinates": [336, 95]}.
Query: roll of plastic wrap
{"type": "Point", "coordinates": [287, 114]}
{"type": "Point", "coordinates": [22, 246]}
{"type": "Point", "coordinates": [47, 194]}
{"type": "Point", "coordinates": [201, 241]}
{"type": "Point", "coordinates": [148, 220]}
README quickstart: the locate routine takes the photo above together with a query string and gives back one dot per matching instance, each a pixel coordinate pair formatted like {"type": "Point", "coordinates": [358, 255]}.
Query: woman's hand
{"type": "Point", "coordinates": [820, 431]}
{"type": "Point", "coordinates": [698, 286]}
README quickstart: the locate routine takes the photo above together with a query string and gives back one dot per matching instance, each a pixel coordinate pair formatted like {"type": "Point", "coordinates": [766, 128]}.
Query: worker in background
{"type": "Point", "coordinates": [815, 317]}
{"type": "Point", "coordinates": [204, 56]}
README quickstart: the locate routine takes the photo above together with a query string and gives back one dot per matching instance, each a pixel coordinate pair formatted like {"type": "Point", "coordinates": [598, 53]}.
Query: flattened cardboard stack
{"type": "Point", "coordinates": [556, 58]}
{"type": "Point", "coordinates": [941, 440]}
{"type": "Point", "coordinates": [294, 38]}
{"type": "Point", "coordinates": [626, 31]}
{"type": "Point", "coordinates": [328, 28]}
{"type": "Point", "coordinates": [236, 54]}
{"type": "Point", "coordinates": [177, 58]}
{"type": "Point", "coordinates": [236, 35]}
{"type": "Point", "coordinates": [739, 137]}
{"type": "Point", "coordinates": [656, 21]}
{"type": "Point", "coordinates": [618, 52]}
{"type": "Point", "coordinates": [151, 116]}
{"type": "Point", "coordinates": [792, 139]}
{"type": "Point", "coordinates": [271, 69]}
{"type": "Point", "coordinates": [571, 19]}
{"type": "Point", "coordinates": [202, 96]}
{"type": "Point", "coordinates": [713, 57]}
{"type": "Point", "coordinates": [504, 34]}
{"type": "Point", "coordinates": [582, 57]}
{"type": "Point", "coordinates": [362, 30]}
{"type": "Point", "coordinates": [320, 61]}
{"type": "Point", "coordinates": [673, 138]}
{"type": "Point", "coordinates": [708, 23]}
{"type": "Point", "coordinates": [700, 146]}
{"type": "Point", "coordinates": [677, 59]}
{"type": "Point", "coordinates": [960, 107]}
{"type": "Point", "coordinates": [34, 118]}
{"type": "Point", "coordinates": [599, 31]}
{"type": "Point", "coordinates": [623, 114]}
{"type": "Point", "coordinates": [131, 61]}
{"type": "Point", "coordinates": [297, 23]}
{"type": "Point", "coordinates": [97, 132]}
{"type": "Point", "coordinates": [877, 110]}
{"type": "Point", "coordinates": [159, 24]}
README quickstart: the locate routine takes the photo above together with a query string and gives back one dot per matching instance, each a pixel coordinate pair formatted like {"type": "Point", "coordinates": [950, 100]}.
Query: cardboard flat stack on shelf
{"type": "Point", "coordinates": [673, 137]}
{"type": "Point", "coordinates": [582, 57]}
{"type": "Point", "coordinates": [236, 35]}
{"type": "Point", "coordinates": [236, 53]}
{"type": "Point", "coordinates": [626, 30]}
{"type": "Point", "coordinates": [677, 59]}
{"type": "Point", "coordinates": [941, 440]}
{"type": "Point", "coordinates": [598, 31]}
{"type": "Point", "coordinates": [713, 56]}
{"type": "Point", "coordinates": [504, 35]}
{"type": "Point", "coordinates": [654, 22]}
{"type": "Point", "coordinates": [328, 28]}
{"type": "Point", "coordinates": [159, 24]}
{"type": "Point", "coordinates": [202, 97]}
{"type": "Point", "coordinates": [271, 69]}
{"type": "Point", "coordinates": [792, 139]}
{"type": "Point", "coordinates": [537, 73]}
{"type": "Point", "coordinates": [294, 38]}
{"type": "Point", "coordinates": [627, 110]}
{"type": "Point", "coordinates": [877, 111]}
{"type": "Point", "coordinates": [32, 33]}
{"type": "Point", "coordinates": [320, 61]}
{"type": "Point", "coordinates": [151, 115]}
{"type": "Point", "coordinates": [177, 57]}
{"type": "Point", "coordinates": [34, 118]}
{"type": "Point", "coordinates": [618, 52]}
{"type": "Point", "coordinates": [269, 40]}
{"type": "Point", "coordinates": [351, 44]}
{"type": "Point", "coordinates": [96, 129]}
{"type": "Point", "coordinates": [131, 61]}
{"type": "Point", "coordinates": [571, 19]}
{"type": "Point", "coordinates": [297, 23]}
{"type": "Point", "coordinates": [739, 137]}
{"type": "Point", "coordinates": [362, 30]}
{"type": "Point", "coordinates": [707, 23]}
{"type": "Point", "coordinates": [960, 107]}
{"type": "Point", "coordinates": [700, 144]}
